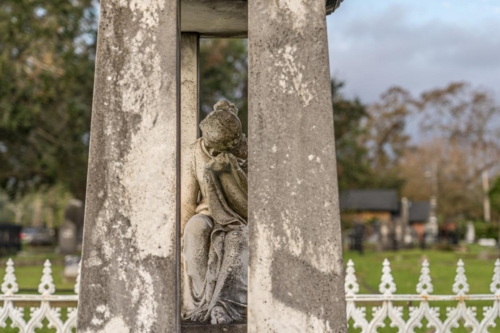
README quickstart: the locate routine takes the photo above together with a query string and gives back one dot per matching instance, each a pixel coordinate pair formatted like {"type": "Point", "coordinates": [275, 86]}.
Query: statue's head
{"type": "Point", "coordinates": [221, 129]}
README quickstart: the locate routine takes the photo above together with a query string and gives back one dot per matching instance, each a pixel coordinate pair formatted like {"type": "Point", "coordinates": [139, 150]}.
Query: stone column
{"type": "Point", "coordinates": [189, 89]}
{"type": "Point", "coordinates": [406, 237]}
{"type": "Point", "coordinates": [128, 281]}
{"type": "Point", "coordinates": [296, 279]}
{"type": "Point", "coordinates": [189, 123]}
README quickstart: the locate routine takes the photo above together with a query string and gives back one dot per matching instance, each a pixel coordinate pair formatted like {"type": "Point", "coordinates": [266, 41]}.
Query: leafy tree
{"type": "Point", "coordinates": [461, 124]}
{"type": "Point", "coordinates": [466, 117]}
{"type": "Point", "coordinates": [224, 75]}
{"type": "Point", "coordinates": [46, 76]}
{"type": "Point", "coordinates": [440, 167]}
{"type": "Point", "coordinates": [352, 163]}
{"type": "Point", "coordinates": [387, 136]}
{"type": "Point", "coordinates": [495, 196]}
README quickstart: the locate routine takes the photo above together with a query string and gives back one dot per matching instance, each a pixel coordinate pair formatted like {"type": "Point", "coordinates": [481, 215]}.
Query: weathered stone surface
{"type": "Point", "coordinates": [189, 90]}
{"type": "Point", "coordinates": [197, 328]}
{"type": "Point", "coordinates": [331, 5]}
{"type": "Point", "coordinates": [296, 269]}
{"type": "Point", "coordinates": [189, 130]}
{"type": "Point", "coordinates": [128, 281]}
{"type": "Point", "coordinates": [223, 18]}
{"type": "Point", "coordinates": [214, 221]}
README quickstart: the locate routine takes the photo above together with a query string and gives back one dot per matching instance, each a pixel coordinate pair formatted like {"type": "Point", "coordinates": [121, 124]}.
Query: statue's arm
{"type": "Point", "coordinates": [189, 187]}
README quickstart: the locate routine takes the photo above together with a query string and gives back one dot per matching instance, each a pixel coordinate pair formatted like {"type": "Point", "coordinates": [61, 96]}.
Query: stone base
{"type": "Point", "coordinates": [188, 327]}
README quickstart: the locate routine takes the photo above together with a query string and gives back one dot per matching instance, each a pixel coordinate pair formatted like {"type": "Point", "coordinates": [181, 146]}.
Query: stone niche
{"type": "Point", "coordinates": [211, 232]}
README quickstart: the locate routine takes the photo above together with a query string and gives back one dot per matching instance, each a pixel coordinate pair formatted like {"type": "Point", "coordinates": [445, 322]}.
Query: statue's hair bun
{"type": "Point", "coordinates": [224, 105]}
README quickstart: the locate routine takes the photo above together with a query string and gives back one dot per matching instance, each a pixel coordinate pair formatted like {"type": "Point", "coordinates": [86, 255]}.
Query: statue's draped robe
{"type": "Point", "coordinates": [226, 194]}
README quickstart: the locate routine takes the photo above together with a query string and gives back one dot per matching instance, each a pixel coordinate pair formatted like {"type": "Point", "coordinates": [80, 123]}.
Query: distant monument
{"type": "Point", "coordinates": [70, 231]}
{"type": "Point", "coordinates": [470, 233]}
{"type": "Point", "coordinates": [171, 228]}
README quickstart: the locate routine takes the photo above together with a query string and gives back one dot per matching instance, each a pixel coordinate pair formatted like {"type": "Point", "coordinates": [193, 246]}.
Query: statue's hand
{"type": "Point", "coordinates": [220, 162]}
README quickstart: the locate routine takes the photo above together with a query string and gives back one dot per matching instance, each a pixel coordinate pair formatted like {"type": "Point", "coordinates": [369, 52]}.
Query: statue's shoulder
{"type": "Point", "coordinates": [196, 145]}
{"type": "Point", "coordinates": [195, 149]}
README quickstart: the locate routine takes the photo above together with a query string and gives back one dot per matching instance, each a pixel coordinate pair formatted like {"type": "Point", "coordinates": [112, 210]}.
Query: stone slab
{"type": "Point", "coordinates": [207, 328]}
{"type": "Point", "coordinates": [215, 18]}
{"type": "Point", "coordinates": [296, 278]}
{"type": "Point", "coordinates": [128, 281]}
{"type": "Point", "coordinates": [222, 18]}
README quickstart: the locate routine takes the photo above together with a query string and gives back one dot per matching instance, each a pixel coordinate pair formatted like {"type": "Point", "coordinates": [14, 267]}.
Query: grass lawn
{"type": "Point", "coordinates": [405, 265]}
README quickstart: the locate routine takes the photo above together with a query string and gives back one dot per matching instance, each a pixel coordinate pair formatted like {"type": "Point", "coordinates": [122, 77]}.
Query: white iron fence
{"type": "Point", "coordinates": [50, 305]}
{"type": "Point", "coordinates": [387, 288]}
{"type": "Point", "coordinates": [45, 298]}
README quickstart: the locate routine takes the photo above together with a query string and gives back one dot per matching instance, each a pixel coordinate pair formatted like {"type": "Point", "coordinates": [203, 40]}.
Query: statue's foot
{"type": "Point", "coordinates": [197, 317]}
{"type": "Point", "coordinates": [220, 316]}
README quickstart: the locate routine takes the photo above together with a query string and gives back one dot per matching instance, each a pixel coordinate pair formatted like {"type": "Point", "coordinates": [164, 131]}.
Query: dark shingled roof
{"type": "Point", "coordinates": [370, 200]}
{"type": "Point", "coordinates": [419, 211]}
{"type": "Point", "coordinates": [331, 5]}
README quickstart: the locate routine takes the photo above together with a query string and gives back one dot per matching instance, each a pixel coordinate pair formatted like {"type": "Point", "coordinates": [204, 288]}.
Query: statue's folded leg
{"type": "Point", "coordinates": [231, 289]}
{"type": "Point", "coordinates": [196, 240]}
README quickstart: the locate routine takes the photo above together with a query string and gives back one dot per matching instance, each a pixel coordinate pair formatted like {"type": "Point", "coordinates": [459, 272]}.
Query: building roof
{"type": "Point", "coordinates": [331, 5]}
{"type": "Point", "coordinates": [419, 211]}
{"type": "Point", "coordinates": [370, 200]}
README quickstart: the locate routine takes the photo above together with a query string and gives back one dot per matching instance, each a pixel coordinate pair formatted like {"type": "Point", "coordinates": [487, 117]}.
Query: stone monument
{"type": "Point", "coordinates": [406, 235]}
{"type": "Point", "coordinates": [181, 233]}
{"type": "Point", "coordinates": [214, 225]}
{"type": "Point", "coordinates": [67, 238]}
{"type": "Point", "coordinates": [70, 231]}
{"type": "Point", "coordinates": [470, 233]}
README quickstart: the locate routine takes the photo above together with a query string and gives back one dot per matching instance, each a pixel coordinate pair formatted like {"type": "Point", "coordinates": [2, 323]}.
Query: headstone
{"type": "Point", "coordinates": [73, 213]}
{"type": "Point", "coordinates": [385, 232]}
{"type": "Point", "coordinates": [71, 268]}
{"type": "Point", "coordinates": [375, 236]}
{"type": "Point", "coordinates": [406, 235]}
{"type": "Point", "coordinates": [470, 233]}
{"type": "Point", "coordinates": [67, 238]}
{"type": "Point", "coordinates": [432, 227]}
{"type": "Point", "coordinates": [488, 242]}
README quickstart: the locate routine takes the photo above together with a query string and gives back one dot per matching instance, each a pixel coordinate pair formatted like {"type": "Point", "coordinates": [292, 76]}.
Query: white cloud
{"type": "Point", "coordinates": [373, 47]}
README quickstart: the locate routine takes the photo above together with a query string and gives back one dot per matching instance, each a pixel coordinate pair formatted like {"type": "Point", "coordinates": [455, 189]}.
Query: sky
{"type": "Point", "coordinates": [418, 45]}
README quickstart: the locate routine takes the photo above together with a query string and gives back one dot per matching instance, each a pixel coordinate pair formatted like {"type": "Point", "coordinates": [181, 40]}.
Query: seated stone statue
{"type": "Point", "coordinates": [214, 220]}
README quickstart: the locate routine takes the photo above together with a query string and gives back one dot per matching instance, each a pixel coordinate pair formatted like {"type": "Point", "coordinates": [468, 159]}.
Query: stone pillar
{"type": "Point", "coordinates": [189, 89]}
{"type": "Point", "coordinates": [296, 279]}
{"type": "Point", "coordinates": [128, 281]}
{"type": "Point", "coordinates": [406, 235]}
{"type": "Point", "coordinates": [189, 121]}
